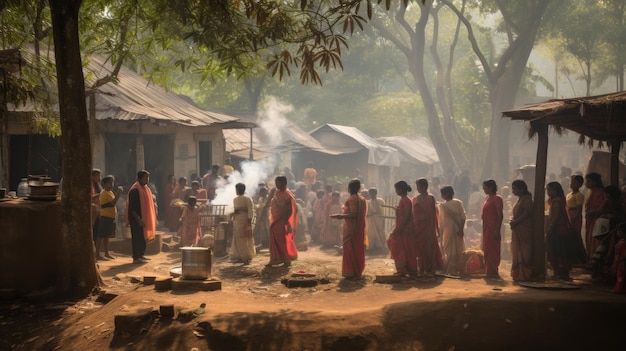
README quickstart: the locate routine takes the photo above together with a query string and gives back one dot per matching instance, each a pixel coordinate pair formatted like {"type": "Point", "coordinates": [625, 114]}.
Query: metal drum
{"type": "Point", "coordinates": [196, 263]}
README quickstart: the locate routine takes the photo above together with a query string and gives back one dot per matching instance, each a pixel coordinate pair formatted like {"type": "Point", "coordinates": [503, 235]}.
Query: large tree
{"type": "Point", "coordinates": [81, 275]}
{"type": "Point", "coordinates": [502, 66]}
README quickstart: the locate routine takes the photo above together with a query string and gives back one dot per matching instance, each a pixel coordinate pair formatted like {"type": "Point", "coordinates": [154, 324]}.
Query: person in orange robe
{"type": "Point", "coordinates": [425, 222]}
{"type": "Point", "coordinates": [354, 231]}
{"type": "Point", "coordinates": [140, 216]}
{"type": "Point", "coordinates": [283, 222]}
{"type": "Point", "coordinates": [402, 241]}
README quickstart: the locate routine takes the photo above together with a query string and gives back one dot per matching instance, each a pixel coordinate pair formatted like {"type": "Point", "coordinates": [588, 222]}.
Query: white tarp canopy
{"type": "Point", "coordinates": [350, 140]}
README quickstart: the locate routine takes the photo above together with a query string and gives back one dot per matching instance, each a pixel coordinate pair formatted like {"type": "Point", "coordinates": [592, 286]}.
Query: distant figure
{"type": "Point", "coordinates": [242, 249]}
{"type": "Point", "coordinates": [425, 221]}
{"type": "Point", "coordinates": [262, 227]}
{"type": "Point", "coordinates": [354, 232]}
{"type": "Point", "coordinates": [96, 188]}
{"type": "Point", "coordinates": [376, 222]}
{"type": "Point", "coordinates": [557, 232]}
{"type": "Point", "coordinates": [168, 190]}
{"type": "Point", "coordinates": [331, 233]}
{"type": "Point", "coordinates": [402, 241]}
{"type": "Point", "coordinates": [522, 233]}
{"type": "Point", "coordinates": [179, 196]}
{"type": "Point", "coordinates": [492, 217]}
{"type": "Point", "coordinates": [592, 209]}
{"type": "Point", "coordinates": [228, 169]}
{"type": "Point", "coordinates": [283, 221]}
{"type": "Point", "coordinates": [140, 216]}
{"type": "Point", "coordinates": [108, 213]}
{"type": "Point", "coordinates": [190, 229]}
{"type": "Point", "coordinates": [198, 192]}
{"type": "Point", "coordinates": [452, 215]}
{"type": "Point", "coordinates": [310, 175]}
{"type": "Point", "coordinates": [210, 181]}
{"type": "Point", "coordinates": [574, 202]}
{"type": "Point", "coordinates": [302, 228]}
{"type": "Point", "coordinates": [319, 217]}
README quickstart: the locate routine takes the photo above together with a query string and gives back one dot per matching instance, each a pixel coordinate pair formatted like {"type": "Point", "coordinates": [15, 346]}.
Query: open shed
{"type": "Point", "coordinates": [598, 119]}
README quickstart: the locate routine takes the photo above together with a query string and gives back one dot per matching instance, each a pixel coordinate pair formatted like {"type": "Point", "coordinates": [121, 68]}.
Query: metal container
{"type": "Point", "coordinates": [196, 262]}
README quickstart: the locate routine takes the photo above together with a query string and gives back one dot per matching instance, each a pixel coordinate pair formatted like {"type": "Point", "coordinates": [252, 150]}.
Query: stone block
{"type": "Point", "coordinates": [210, 284]}
{"type": "Point", "coordinates": [300, 282]}
{"type": "Point", "coordinates": [163, 284]}
{"type": "Point", "coordinates": [133, 322]}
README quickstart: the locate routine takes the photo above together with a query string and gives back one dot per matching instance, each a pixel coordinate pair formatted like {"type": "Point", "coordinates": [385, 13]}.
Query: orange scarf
{"type": "Point", "coordinates": [147, 211]}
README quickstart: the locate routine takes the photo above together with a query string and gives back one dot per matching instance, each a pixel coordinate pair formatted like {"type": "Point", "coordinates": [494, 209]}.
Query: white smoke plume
{"type": "Point", "coordinates": [272, 119]}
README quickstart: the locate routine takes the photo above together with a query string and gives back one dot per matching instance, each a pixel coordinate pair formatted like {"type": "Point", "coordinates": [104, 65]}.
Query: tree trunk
{"type": "Point", "coordinates": [416, 67]}
{"type": "Point", "coordinates": [79, 275]}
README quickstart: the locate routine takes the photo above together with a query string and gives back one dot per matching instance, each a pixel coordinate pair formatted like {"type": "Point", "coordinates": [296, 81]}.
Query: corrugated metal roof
{"type": "Point", "coordinates": [379, 154]}
{"type": "Point", "coordinates": [418, 150]}
{"type": "Point", "coordinates": [135, 98]}
{"type": "Point", "coordinates": [293, 138]}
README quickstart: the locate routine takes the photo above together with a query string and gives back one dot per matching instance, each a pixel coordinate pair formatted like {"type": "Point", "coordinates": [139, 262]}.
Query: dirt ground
{"type": "Point", "coordinates": [254, 310]}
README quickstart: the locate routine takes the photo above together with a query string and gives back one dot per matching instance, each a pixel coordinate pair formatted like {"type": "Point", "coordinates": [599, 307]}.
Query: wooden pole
{"type": "Point", "coordinates": [539, 249]}
{"type": "Point", "coordinates": [615, 146]}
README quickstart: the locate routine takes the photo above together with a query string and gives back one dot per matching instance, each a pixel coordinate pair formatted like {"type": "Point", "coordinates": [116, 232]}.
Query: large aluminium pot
{"type": "Point", "coordinates": [196, 262]}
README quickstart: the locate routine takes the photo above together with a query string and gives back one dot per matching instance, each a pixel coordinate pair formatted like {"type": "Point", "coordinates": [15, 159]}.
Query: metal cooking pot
{"type": "Point", "coordinates": [196, 262]}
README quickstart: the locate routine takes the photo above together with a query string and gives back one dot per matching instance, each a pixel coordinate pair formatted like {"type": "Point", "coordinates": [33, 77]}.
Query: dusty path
{"type": "Point", "coordinates": [255, 311]}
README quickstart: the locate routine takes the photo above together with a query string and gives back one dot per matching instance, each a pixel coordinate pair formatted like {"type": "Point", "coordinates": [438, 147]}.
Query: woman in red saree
{"type": "Point", "coordinates": [283, 223]}
{"type": "Point", "coordinates": [354, 232]}
{"type": "Point", "coordinates": [593, 205]}
{"type": "Point", "coordinates": [402, 241]}
{"type": "Point", "coordinates": [426, 224]}
{"type": "Point", "coordinates": [492, 223]}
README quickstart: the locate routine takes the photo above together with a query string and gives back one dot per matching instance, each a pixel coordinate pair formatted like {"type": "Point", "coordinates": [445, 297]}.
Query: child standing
{"type": "Point", "coordinates": [108, 213]}
{"type": "Point", "coordinates": [191, 230]}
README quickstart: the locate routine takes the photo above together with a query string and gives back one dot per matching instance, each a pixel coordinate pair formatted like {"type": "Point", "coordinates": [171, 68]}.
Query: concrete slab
{"type": "Point", "coordinates": [210, 284]}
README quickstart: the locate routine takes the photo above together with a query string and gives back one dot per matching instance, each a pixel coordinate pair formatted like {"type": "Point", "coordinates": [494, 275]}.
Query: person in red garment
{"type": "Point", "coordinates": [402, 241]}
{"type": "Point", "coordinates": [492, 217]}
{"type": "Point", "coordinates": [283, 222]}
{"type": "Point", "coordinates": [426, 224]}
{"type": "Point", "coordinates": [354, 230]}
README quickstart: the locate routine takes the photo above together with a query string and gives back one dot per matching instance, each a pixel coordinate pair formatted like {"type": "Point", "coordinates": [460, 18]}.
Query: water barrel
{"type": "Point", "coordinates": [196, 262]}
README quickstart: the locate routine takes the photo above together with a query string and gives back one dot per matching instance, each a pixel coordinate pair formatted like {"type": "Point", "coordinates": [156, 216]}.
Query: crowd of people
{"type": "Point", "coordinates": [432, 233]}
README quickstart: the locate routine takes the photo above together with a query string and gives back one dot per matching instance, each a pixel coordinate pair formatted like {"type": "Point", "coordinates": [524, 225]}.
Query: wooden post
{"type": "Point", "coordinates": [539, 196]}
{"type": "Point", "coordinates": [615, 146]}
{"type": "Point", "coordinates": [251, 152]}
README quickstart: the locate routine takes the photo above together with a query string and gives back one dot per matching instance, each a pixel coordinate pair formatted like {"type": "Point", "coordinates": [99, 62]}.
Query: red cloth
{"type": "Point", "coordinates": [210, 184]}
{"type": "Point", "coordinates": [168, 189]}
{"type": "Point", "coordinates": [492, 211]}
{"type": "Point", "coordinates": [402, 243]}
{"type": "Point", "coordinates": [282, 247]}
{"type": "Point", "coordinates": [354, 228]}
{"type": "Point", "coordinates": [592, 204]}
{"type": "Point", "coordinates": [148, 216]}
{"type": "Point", "coordinates": [425, 222]}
